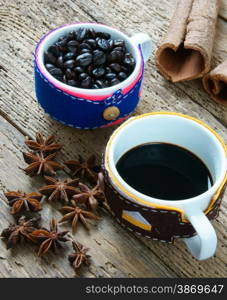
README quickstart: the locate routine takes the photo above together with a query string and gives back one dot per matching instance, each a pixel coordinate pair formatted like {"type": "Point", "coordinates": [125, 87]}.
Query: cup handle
{"type": "Point", "coordinates": [204, 243]}
{"type": "Point", "coordinates": [144, 41]}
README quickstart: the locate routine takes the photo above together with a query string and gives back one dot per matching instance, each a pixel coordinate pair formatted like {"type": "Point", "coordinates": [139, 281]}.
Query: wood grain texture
{"type": "Point", "coordinates": [115, 252]}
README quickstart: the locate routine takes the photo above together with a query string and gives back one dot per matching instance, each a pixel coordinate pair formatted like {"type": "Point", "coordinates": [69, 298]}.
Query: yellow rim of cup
{"type": "Point", "coordinates": [155, 205]}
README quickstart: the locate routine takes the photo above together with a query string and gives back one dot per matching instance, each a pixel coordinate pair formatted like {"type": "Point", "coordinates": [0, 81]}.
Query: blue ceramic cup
{"type": "Point", "coordinates": [90, 108]}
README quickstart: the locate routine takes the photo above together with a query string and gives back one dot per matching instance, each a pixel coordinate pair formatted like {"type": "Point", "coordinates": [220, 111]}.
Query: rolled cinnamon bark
{"type": "Point", "coordinates": [185, 53]}
{"type": "Point", "coordinates": [215, 83]}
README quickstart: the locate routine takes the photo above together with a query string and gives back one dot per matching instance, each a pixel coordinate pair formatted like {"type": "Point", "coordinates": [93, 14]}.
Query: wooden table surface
{"type": "Point", "coordinates": [115, 252]}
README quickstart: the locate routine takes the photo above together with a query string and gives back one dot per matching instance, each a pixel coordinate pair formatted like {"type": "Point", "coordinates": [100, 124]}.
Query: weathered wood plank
{"type": "Point", "coordinates": [112, 249]}
{"type": "Point", "coordinates": [20, 28]}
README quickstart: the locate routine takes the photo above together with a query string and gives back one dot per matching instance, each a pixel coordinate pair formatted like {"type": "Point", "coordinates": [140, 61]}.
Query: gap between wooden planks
{"type": "Point", "coordinates": [18, 104]}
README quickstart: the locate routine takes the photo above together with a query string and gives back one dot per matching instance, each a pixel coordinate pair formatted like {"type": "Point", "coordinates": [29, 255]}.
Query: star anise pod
{"type": "Point", "coordinates": [39, 165]}
{"type": "Point", "coordinates": [58, 190]}
{"type": "Point", "coordinates": [51, 239]}
{"type": "Point", "coordinates": [83, 168]}
{"type": "Point", "coordinates": [21, 201]}
{"type": "Point", "coordinates": [80, 256]}
{"type": "Point", "coordinates": [74, 213]}
{"type": "Point", "coordinates": [21, 231]}
{"type": "Point", "coordinates": [42, 144]}
{"type": "Point", "coordinates": [90, 197]}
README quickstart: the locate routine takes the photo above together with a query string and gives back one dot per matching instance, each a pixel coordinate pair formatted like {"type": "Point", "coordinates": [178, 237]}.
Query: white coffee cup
{"type": "Point", "coordinates": [186, 132]}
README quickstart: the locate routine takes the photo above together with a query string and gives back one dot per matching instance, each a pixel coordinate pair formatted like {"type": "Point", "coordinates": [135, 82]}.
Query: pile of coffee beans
{"type": "Point", "coordinates": [88, 59]}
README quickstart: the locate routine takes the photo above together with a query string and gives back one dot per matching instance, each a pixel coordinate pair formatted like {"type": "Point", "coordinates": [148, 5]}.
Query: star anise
{"type": "Point", "coordinates": [42, 144]}
{"type": "Point", "coordinates": [90, 197]}
{"type": "Point", "coordinates": [83, 168]}
{"type": "Point", "coordinates": [80, 256]}
{"type": "Point", "coordinates": [39, 165]}
{"type": "Point", "coordinates": [58, 190]}
{"type": "Point", "coordinates": [21, 231]}
{"type": "Point", "coordinates": [74, 213]}
{"type": "Point", "coordinates": [21, 201]}
{"type": "Point", "coordinates": [51, 239]}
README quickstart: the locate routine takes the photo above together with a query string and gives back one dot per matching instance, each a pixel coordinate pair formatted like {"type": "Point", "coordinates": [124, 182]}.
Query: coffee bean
{"type": "Point", "coordinates": [62, 49]}
{"type": "Point", "coordinates": [106, 82]}
{"type": "Point", "coordinates": [81, 34]}
{"type": "Point", "coordinates": [115, 56]}
{"type": "Point", "coordinates": [110, 76]}
{"type": "Point", "coordinates": [61, 38]}
{"type": "Point", "coordinates": [49, 66]}
{"type": "Point", "coordinates": [62, 41]}
{"type": "Point", "coordinates": [91, 33]}
{"type": "Point", "coordinates": [83, 76]}
{"type": "Point", "coordinates": [69, 63]}
{"type": "Point", "coordinates": [129, 61]}
{"type": "Point", "coordinates": [86, 83]}
{"type": "Point", "coordinates": [111, 44]}
{"type": "Point", "coordinates": [78, 69]}
{"type": "Point", "coordinates": [115, 67]}
{"type": "Point", "coordinates": [62, 45]}
{"type": "Point", "coordinates": [128, 55]}
{"type": "Point", "coordinates": [122, 76]}
{"type": "Point", "coordinates": [73, 46]}
{"type": "Point", "coordinates": [103, 35]}
{"type": "Point", "coordinates": [84, 46]}
{"type": "Point", "coordinates": [49, 58]}
{"type": "Point", "coordinates": [91, 42]}
{"type": "Point", "coordinates": [100, 83]}
{"type": "Point", "coordinates": [73, 49]}
{"type": "Point", "coordinates": [103, 44]}
{"type": "Point", "coordinates": [55, 71]}
{"type": "Point", "coordinates": [70, 36]}
{"type": "Point", "coordinates": [64, 79]}
{"type": "Point", "coordinates": [89, 69]}
{"type": "Point", "coordinates": [119, 43]}
{"type": "Point", "coordinates": [95, 86]}
{"type": "Point", "coordinates": [108, 70]}
{"type": "Point", "coordinates": [73, 43]}
{"type": "Point", "coordinates": [59, 62]}
{"type": "Point", "coordinates": [124, 69]}
{"type": "Point", "coordinates": [54, 50]}
{"type": "Point", "coordinates": [73, 82]}
{"type": "Point", "coordinates": [85, 51]}
{"type": "Point", "coordinates": [69, 55]}
{"type": "Point", "coordinates": [114, 81]}
{"type": "Point", "coordinates": [99, 57]}
{"type": "Point", "coordinates": [69, 74]}
{"type": "Point", "coordinates": [59, 77]}
{"type": "Point", "coordinates": [119, 49]}
{"type": "Point", "coordinates": [98, 72]}
{"type": "Point", "coordinates": [84, 59]}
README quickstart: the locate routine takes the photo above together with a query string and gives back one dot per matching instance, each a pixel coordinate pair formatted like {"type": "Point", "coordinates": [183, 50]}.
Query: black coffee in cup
{"type": "Point", "coordinates": [164, 171]}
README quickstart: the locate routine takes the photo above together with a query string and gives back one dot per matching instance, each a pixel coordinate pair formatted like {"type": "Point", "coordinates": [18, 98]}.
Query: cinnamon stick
{"type": "Point", "coordinates": [185, 52]}
{"type": "Point", "coordinates": [215, 83]}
